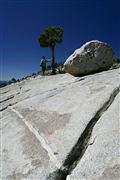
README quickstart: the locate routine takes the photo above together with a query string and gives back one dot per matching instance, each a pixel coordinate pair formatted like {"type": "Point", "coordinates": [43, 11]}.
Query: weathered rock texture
{"type": "Point", "coordinates": [61, 127]}
{"type": "Point", "coordinates": [92, 57]}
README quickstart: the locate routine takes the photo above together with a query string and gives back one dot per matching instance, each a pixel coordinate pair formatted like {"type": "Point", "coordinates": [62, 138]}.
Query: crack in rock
{"type": "Point", "coordinates": [7, 99]}
{"type": "Point", "coordinates": [4, 108]}
{"type": "Point", "coordinates": [82, 144]}
{"type": "Point", "coordinates": [4, 92]}
{"type": "Point", "coordinates": [79, 79]}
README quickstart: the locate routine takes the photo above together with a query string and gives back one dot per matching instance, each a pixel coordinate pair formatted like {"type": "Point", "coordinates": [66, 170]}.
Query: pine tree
{"type": "Point", "coordinates": [49, 38]}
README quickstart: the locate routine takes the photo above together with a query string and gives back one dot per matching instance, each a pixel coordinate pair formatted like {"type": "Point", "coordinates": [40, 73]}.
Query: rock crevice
{"type": "Point", "coordinates": [82, 144]}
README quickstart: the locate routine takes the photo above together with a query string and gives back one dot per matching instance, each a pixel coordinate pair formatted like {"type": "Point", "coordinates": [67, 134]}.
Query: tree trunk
{"type": "Point", "coordinates": [53, 60]}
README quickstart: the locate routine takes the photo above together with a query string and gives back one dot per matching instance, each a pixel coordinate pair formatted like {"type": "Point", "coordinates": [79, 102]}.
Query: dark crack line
{"type": "Point", "coordinates": [4, 92]}
{"type": "Point", "coordinates": [26, 91]}
{"type": "Point", "coordinates": [2, 109]}
{"type": "Point", "coordinates": [7, 99]}
{"type": "Point", "coordinates": [82, 144]}
{"type": "Point", "coordinates": [78, 80]}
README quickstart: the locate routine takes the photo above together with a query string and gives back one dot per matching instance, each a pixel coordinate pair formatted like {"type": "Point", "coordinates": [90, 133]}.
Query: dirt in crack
{"type": "Point", "coordinates": [80, 147]}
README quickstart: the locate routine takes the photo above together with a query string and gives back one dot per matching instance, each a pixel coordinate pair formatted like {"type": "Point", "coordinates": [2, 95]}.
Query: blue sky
{"type": "Point", "coordinates": [23, 20]}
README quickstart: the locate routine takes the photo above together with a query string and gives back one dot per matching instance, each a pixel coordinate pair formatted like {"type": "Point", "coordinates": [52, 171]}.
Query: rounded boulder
{"type": "Point", "coordinates": [92, 57]}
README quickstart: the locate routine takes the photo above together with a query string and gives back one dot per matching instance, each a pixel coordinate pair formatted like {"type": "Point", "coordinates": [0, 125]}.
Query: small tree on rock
{"type": "Point", "coordinates": [49, 38]}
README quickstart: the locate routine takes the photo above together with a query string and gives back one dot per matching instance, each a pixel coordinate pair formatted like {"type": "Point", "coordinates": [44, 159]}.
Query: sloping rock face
{"type": "Point", "coordinates": [94, 56]}
{"type": "Point", "coordinates": [61, 127]}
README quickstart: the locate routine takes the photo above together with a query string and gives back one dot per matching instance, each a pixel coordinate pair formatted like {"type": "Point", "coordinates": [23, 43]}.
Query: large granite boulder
{"type": "Point", "coordinates": [92, 57]}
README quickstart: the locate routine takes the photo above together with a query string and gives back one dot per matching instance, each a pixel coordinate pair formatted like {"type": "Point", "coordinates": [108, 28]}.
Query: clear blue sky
{"type": "Point", "coordinates": [23, 20]}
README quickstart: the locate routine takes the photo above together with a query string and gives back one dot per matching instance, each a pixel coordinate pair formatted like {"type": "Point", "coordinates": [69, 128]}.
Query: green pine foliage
{"type": "Point", "coordinates": [49, 38]}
